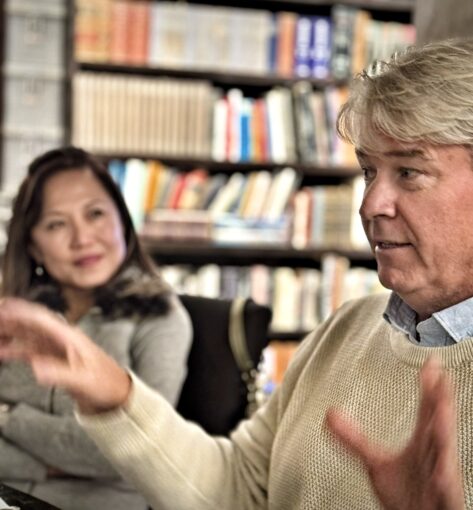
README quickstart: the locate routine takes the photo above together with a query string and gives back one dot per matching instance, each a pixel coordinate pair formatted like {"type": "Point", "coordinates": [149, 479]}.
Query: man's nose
{"type": "Point", "coordinates": [379, 199]}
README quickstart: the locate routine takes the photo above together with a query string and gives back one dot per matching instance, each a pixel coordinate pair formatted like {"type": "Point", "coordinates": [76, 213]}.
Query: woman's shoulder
{"type": "Point", "coordinates": [135, 293]}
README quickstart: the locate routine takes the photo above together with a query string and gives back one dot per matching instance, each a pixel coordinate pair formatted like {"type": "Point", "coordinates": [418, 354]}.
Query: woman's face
{"type": "Point", "coordinates": [79, 237]}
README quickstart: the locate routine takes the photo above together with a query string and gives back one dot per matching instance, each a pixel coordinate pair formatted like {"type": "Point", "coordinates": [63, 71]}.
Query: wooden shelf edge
{"type": "Point", "coordinates": [379, 5]}
{"type": "Point", "coordinates": [194, 248]}
{"type": "Point", "coordinates": [214, 76]}
{"type": "Point", "coordinates": [226, 166]}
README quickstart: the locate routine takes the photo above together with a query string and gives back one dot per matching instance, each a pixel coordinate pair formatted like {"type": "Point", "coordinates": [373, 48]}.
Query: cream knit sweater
{"type": "Point", "coordinates": [284, 457]}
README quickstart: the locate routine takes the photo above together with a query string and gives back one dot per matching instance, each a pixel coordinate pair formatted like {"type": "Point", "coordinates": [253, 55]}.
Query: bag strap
{"type": "Point", "coordinates": [239, 346]}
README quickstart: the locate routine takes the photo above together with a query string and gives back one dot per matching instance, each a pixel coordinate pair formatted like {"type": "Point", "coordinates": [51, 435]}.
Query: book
{"type": "Point", "coordinates": [117, 168]}
{"type": "Point", "coordinates": [134, 190]}
{"type": "Point", "coordinates": [277, 150]}
{"type": "Point", "coordinates": [92, 30]}
{"type": "Point", "coordinates": [358, 239]}
{"type": "Point", "coordinates": [234, 124]}
{"type": "Point", "coordinates": [139, 19]}
{"type": "Point", "coordinates": [304, 122]}
{"type": "Point", "coordinates": [228, 195]}
{"type": "Point", "coordinates": [152, 185]}
{"type": "Point", "coordinates": [362, 19]}
{"type": "Point", "coordinates": [119, 33]}
{"type": "Point", "coordinates": [193, 189]}
{"type": "Point", "coordinates": [169, 25]}
{"type": "Point", "coordinates": [211, 189]}
{"type": "Point", "coordinates": [343, 17]}
{"type": "Point", "coordinates": [322, 132]}
{"type": "Point", "coordinates": [283, 185]}
{"type": "Point", "coordinates": [219, 132]}
{"type": "Point", "coordinates": [260, 284]}
{"type": "Point", "coordinates": [209, 279]}
{"type": "Point", "coordinates": [310, 283]}
{"type": "Point", "coordinates": [301, 227]}
{"type": "Point", "coordinates": [257, 195]}
{"type": "Point", "coordinates": [302, 46]}
{"type": "Point", "coordinates": [286, 300]}
{"type": "Point", "coordinates": [286, 32]}
{"type": "Point", "coordinates": [259, 131]}
{"type": "Point", "coordinates": [321, 47]}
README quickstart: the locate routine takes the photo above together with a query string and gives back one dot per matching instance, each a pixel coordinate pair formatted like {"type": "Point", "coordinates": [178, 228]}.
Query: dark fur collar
{"type": "Point", "coordinates": [131, 293]}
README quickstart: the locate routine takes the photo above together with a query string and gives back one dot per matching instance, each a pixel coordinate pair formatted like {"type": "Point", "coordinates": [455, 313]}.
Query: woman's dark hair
{"type": "Point", "coordinates": [18, 266]}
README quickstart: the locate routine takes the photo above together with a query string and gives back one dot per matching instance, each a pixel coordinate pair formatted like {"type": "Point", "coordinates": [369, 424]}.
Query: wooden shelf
{"type": "Point", "coordinates": [228, 167]}
{"type": "Point", "coordinates": [201, 252]}
{"type": "Point", "coordinates": [379, 5]}
{"type": "Point", "coordinates": [222, 78]}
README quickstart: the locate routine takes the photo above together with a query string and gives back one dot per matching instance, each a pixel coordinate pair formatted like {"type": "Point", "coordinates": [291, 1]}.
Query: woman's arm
{"type": "Point", "coordinates": [158, 354]}
{"type": "Point", "coordinates": [16, 464]}
{"type": "Point", "coordinates": [57, 441]}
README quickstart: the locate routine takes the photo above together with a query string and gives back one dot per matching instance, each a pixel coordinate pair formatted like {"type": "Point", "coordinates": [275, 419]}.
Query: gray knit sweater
{"type": "Point", "coordinates": [284, 457]}
{"type": "Point", "coordinates": [42, 432]}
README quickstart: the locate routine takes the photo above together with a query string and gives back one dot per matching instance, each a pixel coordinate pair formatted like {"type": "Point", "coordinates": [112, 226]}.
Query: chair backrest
{"type": "Point", "coordinates": [214, 394]}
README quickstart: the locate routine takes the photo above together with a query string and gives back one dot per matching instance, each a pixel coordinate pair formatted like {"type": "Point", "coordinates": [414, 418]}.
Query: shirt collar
{"type": "Point", "coordinates": [445, 327]}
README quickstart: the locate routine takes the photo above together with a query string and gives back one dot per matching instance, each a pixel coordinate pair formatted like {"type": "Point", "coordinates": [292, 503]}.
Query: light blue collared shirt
{"type": "Point", "coordinates": [446, 327]}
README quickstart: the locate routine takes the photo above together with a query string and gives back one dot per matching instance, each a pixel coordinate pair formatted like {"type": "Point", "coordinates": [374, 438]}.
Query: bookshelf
{"type": "Point", "coordinates": [219, 79]}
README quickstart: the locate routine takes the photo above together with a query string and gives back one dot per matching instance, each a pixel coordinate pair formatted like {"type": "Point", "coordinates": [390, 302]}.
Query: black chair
{"type": "Point", "coordinates": [215, 395]}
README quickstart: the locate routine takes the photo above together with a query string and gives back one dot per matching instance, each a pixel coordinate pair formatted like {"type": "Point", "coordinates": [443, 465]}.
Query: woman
{"type": "Point", "coordinates": [72, 247]}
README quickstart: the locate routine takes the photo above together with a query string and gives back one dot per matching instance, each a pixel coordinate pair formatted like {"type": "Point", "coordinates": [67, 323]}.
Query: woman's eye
{"type": "Point", "coordinates": [54, 225]}
{"type": "Point", "coordinates": [96, 213]}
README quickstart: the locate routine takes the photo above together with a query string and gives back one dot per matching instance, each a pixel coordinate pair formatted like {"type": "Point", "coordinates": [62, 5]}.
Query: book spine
{"type": "Point", "coordinates": [321, 49]}
{"type": "Point", "coordinates": [302, 46]}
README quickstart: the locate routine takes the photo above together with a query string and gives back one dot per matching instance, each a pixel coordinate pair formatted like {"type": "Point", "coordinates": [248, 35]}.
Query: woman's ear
{"type": "Point", "coordinates": [35, 253]}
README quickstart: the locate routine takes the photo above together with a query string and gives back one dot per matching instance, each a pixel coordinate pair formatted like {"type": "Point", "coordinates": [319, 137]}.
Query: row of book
{"type": "Point", "coordinates": [191, 118]}
{"type": "Point", "coordinates": [178, 34]}
{"type": "Point", "coordinates": [119, 113]}
{"type": "Point", "coordinates": [300, 298]}
{"type": "Point", "coordinates": [258, 207]}
{"type": "Point", "coordinates": [328, 216]}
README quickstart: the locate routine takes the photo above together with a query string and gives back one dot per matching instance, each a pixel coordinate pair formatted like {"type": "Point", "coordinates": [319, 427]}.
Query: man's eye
{"type": "Point", "coordinates": [368, 174]}
{"type": "Point", "coordinates": [408, 173]}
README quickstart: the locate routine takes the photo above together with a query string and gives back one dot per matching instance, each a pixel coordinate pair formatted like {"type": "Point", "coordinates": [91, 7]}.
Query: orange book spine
{"type": "Point", "coordinates": [139, 22]}
{"type": "Point", "coordinates": [119, 32]}
{"type": "Point", "coordinates": [286, 33]}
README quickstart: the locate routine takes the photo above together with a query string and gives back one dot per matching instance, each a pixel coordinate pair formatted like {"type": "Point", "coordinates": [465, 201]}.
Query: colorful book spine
{"type": "Point", "coordinates": [321, 48]}
{"type": "Point", "coordinates": [302, 46]}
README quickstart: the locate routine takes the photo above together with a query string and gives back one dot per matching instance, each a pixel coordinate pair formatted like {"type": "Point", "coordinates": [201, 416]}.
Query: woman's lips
{"type": "Point", "coordinates": [87, 261]}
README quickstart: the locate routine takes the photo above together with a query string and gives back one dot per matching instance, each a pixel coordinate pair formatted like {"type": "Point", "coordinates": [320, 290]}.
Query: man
{"type": "Point", "coordinates": [356, 377]}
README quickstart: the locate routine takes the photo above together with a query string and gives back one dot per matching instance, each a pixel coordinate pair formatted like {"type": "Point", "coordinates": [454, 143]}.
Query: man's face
{"type": "Point", "coordinates": [417, 212]}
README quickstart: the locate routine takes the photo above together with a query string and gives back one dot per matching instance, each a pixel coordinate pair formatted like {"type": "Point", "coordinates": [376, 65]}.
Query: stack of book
{"type": "Point", "coordinates": [192, 119]}
{"type": "Point", "coordinates": [190, 36]}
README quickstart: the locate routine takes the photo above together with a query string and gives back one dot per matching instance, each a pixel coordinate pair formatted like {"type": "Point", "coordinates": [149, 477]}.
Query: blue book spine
{"type": "Point", "coordinates": [304, 28]}
{"type": "Point", "coordinates": [321, 49]}
{"type": "Point", "coordinates": [272, 45]}
{"type": "Point", "coordinates": [116, 168]}
{"type": "Point", "coordinates": [245, 129]}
